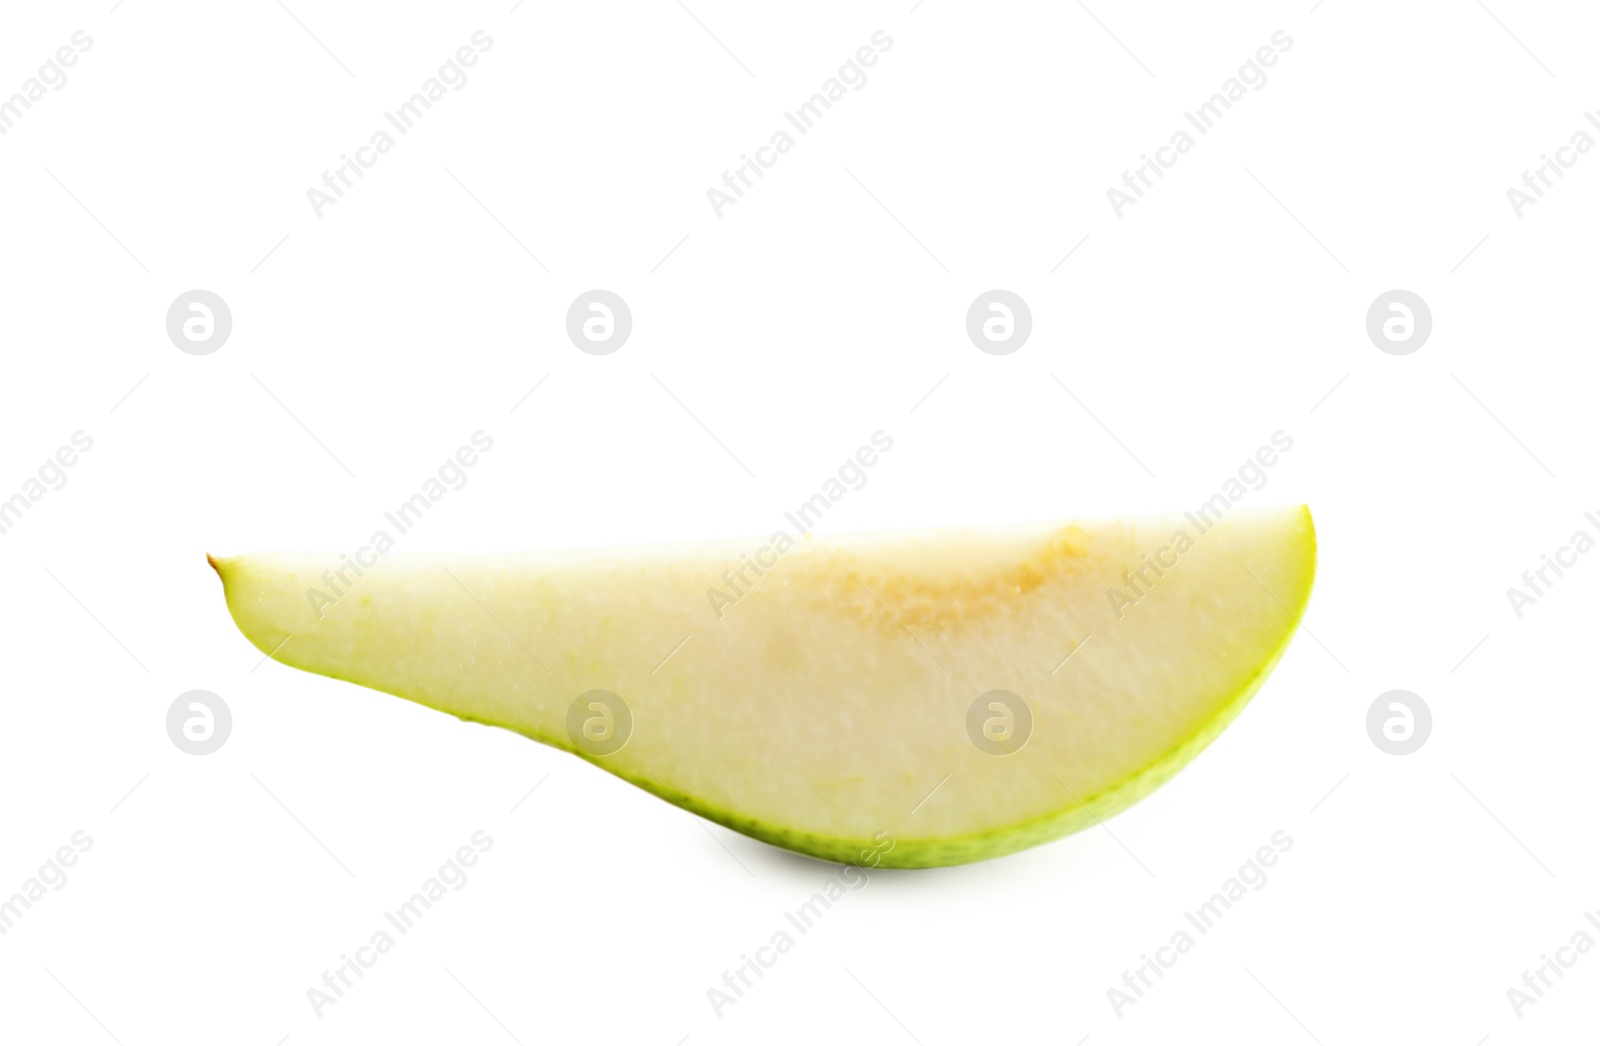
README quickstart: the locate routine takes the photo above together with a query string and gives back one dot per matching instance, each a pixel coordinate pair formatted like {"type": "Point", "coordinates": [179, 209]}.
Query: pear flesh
{"type": "Point", "coordinates": [908, 699]}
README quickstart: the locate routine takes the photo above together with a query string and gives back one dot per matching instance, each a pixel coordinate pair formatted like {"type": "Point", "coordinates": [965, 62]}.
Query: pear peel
{"type": "Point", "coordinates": [906, 700]}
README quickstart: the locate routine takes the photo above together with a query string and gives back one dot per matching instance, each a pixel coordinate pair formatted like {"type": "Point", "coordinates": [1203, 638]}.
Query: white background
{"type": "Point", "coordinates": [374, 340]}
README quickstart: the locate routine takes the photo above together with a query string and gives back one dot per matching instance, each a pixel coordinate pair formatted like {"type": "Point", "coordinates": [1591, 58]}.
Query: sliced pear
{"type": "Point", "coordinates": [904, 699]}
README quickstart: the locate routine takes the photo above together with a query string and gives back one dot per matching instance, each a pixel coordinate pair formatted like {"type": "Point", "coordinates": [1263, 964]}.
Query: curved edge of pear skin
{"type": "Point", "coordinates": [935, 852]}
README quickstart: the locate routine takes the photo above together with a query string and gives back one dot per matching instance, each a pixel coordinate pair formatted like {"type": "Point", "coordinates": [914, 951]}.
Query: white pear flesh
{"type": "Point", "coordinates": [822, 702]}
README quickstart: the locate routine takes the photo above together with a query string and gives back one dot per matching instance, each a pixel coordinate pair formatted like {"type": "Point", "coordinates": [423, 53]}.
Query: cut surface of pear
{"type": "Point", "coordinates": [905, 699]}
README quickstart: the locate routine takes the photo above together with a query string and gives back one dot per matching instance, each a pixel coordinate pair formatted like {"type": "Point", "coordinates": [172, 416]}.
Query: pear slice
{"type": "Point", "coordinates": [903, 699]}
